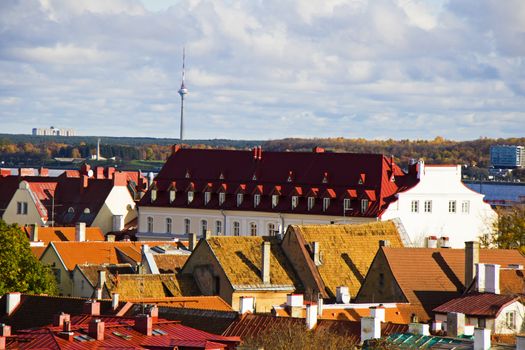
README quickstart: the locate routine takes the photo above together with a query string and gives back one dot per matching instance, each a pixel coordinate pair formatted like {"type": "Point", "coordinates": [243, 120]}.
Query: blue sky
{"type": "Point", "coordinates": [265, 69]}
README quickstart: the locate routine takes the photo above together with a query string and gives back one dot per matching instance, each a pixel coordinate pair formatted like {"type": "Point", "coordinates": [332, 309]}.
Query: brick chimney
{"type": "Point", "coordinates": [153, 312]}
{"type": "Point", "coordinates": [5, 330]}
{"type": "Point", "coordinates": [101, 278]}
{"type": "Point", "coordinates": [84, 182]}
{"type": "Point", "coordinates": [96, 329]}
{"type": "Point", "coordinates": [120, 179]}
{"type": "Point", "coordinates": [144, 324]}
{"type": "Point", "coordinates": [455, 324]}
{"type": "Point", "coordinates": [58, 320]}
{"type": "Point", "coordinates": [91, 307]}
{"type": "Point", "coordinates": [370, 328]}
{"type": "Point", "coordinates": [80, 232]}
{"type": "Point", "coordinates": [520, 342]}
{"type": "Point", "coordinates": [265, 262]}
{"type": "Point", "coordinates": [2, 343]}
{"type": "Point", "coordinates": [432, 242]}
{"type": "Point", "coordinates": [471, 259]}
{"type": "Point", "coordinates": [378, 312]}
{"type": "Point", "coordinates": [207, 234]}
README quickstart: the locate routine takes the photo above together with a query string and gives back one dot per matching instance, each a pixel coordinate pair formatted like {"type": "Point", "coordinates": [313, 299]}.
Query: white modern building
{"type": "Point", "coordinates": [52, 131]}
{"type": "Point", "coordinates": [440, 205]}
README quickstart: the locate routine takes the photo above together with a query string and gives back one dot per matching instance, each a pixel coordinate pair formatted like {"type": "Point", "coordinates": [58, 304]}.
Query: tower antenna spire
{"type": "Point", "coordinates": [182, 92]}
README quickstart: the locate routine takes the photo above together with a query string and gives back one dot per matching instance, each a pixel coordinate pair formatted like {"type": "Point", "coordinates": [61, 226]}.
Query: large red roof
{"type": "Point", "coordinates": [334, 175]}
{"type": "Point", "coordinates": [477, 304]}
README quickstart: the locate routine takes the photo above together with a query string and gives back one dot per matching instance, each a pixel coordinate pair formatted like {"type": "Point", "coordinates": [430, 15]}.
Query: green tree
{"type": "Point", "coordinates": [509, 229]}
{"type": "Point", "coordinates": [20, 271]}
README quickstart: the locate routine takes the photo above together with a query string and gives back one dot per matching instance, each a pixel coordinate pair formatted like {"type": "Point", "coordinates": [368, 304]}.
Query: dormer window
{"type": "Point", "coordinates": [240, 198]}
{"type": "Point", "coordinates": [311, 202]}
{"type": "Point", "coordinates": [364, 205]}
{"type": "Point", "coordinates": [207, 197]}
{"type": "Point", "coordinates": [295, 201]}
{"type": "Point", "coordinates": [153, 195]}
{"type": "Point", "coordinates": [172, 195]}
{"type": "Point", "coordinates": [275, 200]}
{"type": "Point", "coordinates": [191, 195]}
{"type": "Point", "coordinates": [222, 198]}
{"type": "Point", "coordinates": [346, 204]}
{"type": "Point", "coordinates": [326, 203]}
{"type": "Point", "coordinates": [256, 200]}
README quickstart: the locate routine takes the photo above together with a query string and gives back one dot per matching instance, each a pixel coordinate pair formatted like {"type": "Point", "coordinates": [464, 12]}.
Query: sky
{"type": "Point", "coordinates": [265, 69]}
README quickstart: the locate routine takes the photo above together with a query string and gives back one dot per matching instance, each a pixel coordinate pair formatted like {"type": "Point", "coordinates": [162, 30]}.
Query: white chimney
{"type": "Point", "coordinates": [436, 326]}
{"type": "Point", "coordinates": [432, 242]}
{"type": "Point", "coordinates": [378, 312]}
{"type": "Point", "coordinates": [481, 339]}
{"type": "Point", "coordinates": [317, 254]}
{"type": "Point", "coordinates": [320, 306]}
{"type": "Point", "coordinates": [419, 328]}
{"type": "Point", "coordinates": [265, 262]}
{"type": "Point", "coordinates": [520, 342]}
{"type": "Point", "coordinates": [480, 278]}
{"type": "Point", "coordinates": [469, 330]}
{"type": "Point", "coordinates": [101, 278]}
{"type": "Point", "coordinates": [98, 293]}
{"type": "Point", "coordinates": [246, 305]}
{"type": "Point", "coordinates": [80, 232]}
{"type": "Point", "coordinates": [342, 295]}
{"type": "Point", "coordinates": [370, 328]}
{"type": "Point", "coordinates": [114, 301]}
{"type": "Point", "coordinates": [492, 278]}
{"type": "Point", "coordinates": [118, 222]}
{"type": "Point", "coordinates": [295, 300]}
{"type": "Point", "coordinates": [12, 301]}
{"type": "Point", "coordinates": [311, 316]}
{"type": "Point", "coordinates": [455, 324]}
{"type": "Point", "coordinates": [445, 242]}
{"type": "Point", "coordinates": [145, 248]}
{"type": "Point", "coordinates": [421, 169]}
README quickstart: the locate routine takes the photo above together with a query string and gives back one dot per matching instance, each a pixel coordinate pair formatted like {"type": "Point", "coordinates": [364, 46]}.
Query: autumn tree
{"type": "Point", "coordinates": [20, 271]}
{"type": "Point", "coordinates": [509, 229]}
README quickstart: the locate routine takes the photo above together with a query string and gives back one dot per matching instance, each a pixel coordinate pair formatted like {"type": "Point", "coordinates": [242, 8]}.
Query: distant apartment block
{"type": "Point", "coordinates": [52, 131]}
{"type": "Point", "coordinates": [505, 156]}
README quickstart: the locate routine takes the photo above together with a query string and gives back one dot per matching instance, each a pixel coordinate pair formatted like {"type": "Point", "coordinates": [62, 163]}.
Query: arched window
{"type": "Point", "coordinates": [187, 226]}
{"type": "Point", "coordinates": [236, 228]}
{"type": "Point", "coordinates": [271, 229]}
{"type": "Point", "coordinates": [168, 225]}
{"type": "Point", "coordinates": [150, 223]}
{"type": "Point", "coordinates": [218, 227]}
{"type": "Point", "coordinates": [253, 228]}
{"type": "Point", "coordinates": [204, 227]}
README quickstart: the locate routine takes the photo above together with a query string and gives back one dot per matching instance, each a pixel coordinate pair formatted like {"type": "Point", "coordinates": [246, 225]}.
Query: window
{"type": "Point", "coordinates": [222, 198]}
{"type": "Point", "coordinates": [451, 206]}
{"type": "Point", "coordinates": [381, 279]}
{"type": "Point", "coordinates": [204, 227]}
{"type": "Point", "coordinates": [172, 195]}
{"type": "Point", "coordinates": [253, 228]}
{"type": "Point", "coordinates": [21, 208]}
{"type": "Point", "coordinates": [465, 207]}
{"type": "Point", "coordinates": [150, 223]}
{"type": "Point", "coordinates": [168, 225]}
{"type": "Point", "coordinates": [240, 197]}
{"type": "Point", "coordinates": [71, 210]}
{"type": "Point", "coordinates": [364, 205]}
{"type": "Point", "coordinates": [271, 229]}
{"type": "Point", "coordinates": [218, 227]}
{"type": "Point", "coordinates": [275, 200]}
{"type": "Point", "coordinates": [190, 196]}
{"type": "Point", "coordinates": [346, 204]}
{"type": "Point", "coordinates": [482, 323]}
{"type": "Point", "coordinates": [326, 203]}
{"type": "Point", "coordinates": [414, 208]}
{"type": "Point", "coordinates": [510, 319]}
{"type": "Point", "coordinates": [428, 206]}
{"type": "Point", "coordinates": [236, 228]}
{"type": "Point", "coordinates": [187, 226]}
{"type": "Point", "coordinates": [207, 197]}
{"type": "Point", "coordinates": [256, 200]}
{"type": "Point", "coordinates": [311, 202]}
{"type": "Point", "coordinates": [295, 201]}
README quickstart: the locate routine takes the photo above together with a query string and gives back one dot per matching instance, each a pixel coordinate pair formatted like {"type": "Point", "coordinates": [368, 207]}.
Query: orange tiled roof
{"type": "Point", "coordinates": [37, 251]}
{"type": "Point", "coordinates": [170, 263]}
{"type": "Point", "coordinates": [512, 281]}
{"type": "Point", "coordinates": [56, 234]}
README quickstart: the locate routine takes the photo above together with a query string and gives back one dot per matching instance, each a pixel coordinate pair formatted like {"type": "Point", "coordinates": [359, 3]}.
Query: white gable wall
{"type": "Point", "coordinates": [440, 185]}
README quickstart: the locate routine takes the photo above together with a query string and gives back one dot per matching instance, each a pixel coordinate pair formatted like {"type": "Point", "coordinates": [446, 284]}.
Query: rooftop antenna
{"type": "Point", "coordinates": [182, 92]}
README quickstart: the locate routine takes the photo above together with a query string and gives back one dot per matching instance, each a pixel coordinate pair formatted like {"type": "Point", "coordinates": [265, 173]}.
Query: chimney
{"type": "Point", "coordinates": [58, 320]}
{"type": "Point", "coordinates": [92, 307]}
{"type": "Point", "coordinates": [101, 278]}
{"type": "Point", "coordinates": [153, 312]}
{"type": "Point", "coordinates": [100, 172]}
{"type": "Point", "coordinates": [445, 242]}
{"type": "Point", "coordinates": [255, 153]}
{"type": "Point", "coordinates": [96, 329]}
{"type": "Point", "coordinates": [294, 303]}
{"type": "Point", "coordinates": [34, 233]}
{"type": "Point", "coordinates": [317, 253]}
{"type": "Point", "coordinates": [115, 301]}
{"type": "Point", "coordinates": [118, 222]}
{"type": "Point", "coordinates": [482, 339]}
{"type": "Point", "coordinates": [246, 304]}
{"type": "Point", "coordinates": [492, 278]}
{"type": "Point", "coordinates": [43, 171]}
{"type": "Point", "coordinates": [5, 330]}
{"type": "Point", "coordinates": [192, 241]}
{"type": "Point", "coordinates": [370, 328]}
{"type": "Point", "coordinates": [419, 328]}
{"type": "Point", "coordinates": [120, 179]}
{"type": "Point", "coordinates": [207, 234]}
{"type": "Point", "coordinates": [153, 194]}
{"type": "Point", "coordinates": [84, 181]}
{"type": "Point", "coordinates": [145, 249]}
{"type": "Point", "coordinates": [471, 259]}
{"type": "Point", "coordinates": [311, 316]}
{"type": "Point", "coordinates": [66, 327]}
{"type": "Point", "coordinates": [432, 242]}
{"type": "Point", "coordinates": [384, 243]}
{"type": "Point", "coordinates": [12, 302]}
{"type": "Point", "coordinates": [342, 295]}
{"type": "Point", "coordinates": [110, 171]}
{"type": "Point", "coordinates": [320, 306]}
{"type": "Point", "coordinates": [143, 324]}
{"type": "Point", "coordinates": [469, 330]}
{"type": "Point", "coordinates": [455, 324]}
{"type": "Point", "coordinates": [378, 312]}
{"type": "Point", "coordinates": [80, 232]}
{"type": "Point", "coordinates": [520, 342]}
{"type": "Point", "coordinates": [480, 278]}
{"type": "Point", "coordinates": [260, 152]}
{"type": "Point", "coordinates": [2, 343]}
{"type": "Point", "coordinates": [265, 262]}
{"type": "Point", "coordinates": [110, 238]}
{"type": "Point", "coordinates": [98, 293]}
{"type": "Point", "coordinates": [436, 326]}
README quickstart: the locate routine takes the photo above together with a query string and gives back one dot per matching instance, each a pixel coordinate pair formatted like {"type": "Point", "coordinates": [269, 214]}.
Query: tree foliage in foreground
{"type": "Point", "coordinates": [20, 271]}
{"type": "Point", "coordinates": [509, 229]}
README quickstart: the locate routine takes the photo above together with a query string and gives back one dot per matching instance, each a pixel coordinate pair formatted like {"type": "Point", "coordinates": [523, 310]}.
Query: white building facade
{"type": "Point", "coordinates": [441, 205]}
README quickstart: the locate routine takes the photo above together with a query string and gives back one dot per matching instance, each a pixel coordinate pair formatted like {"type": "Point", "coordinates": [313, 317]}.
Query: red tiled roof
{"type": "Point", "coordinates": [238, 167]}
{"type": "Point", "coordinates": [64, 234]}
{"type": "Point", "coordinates": [477, 304]}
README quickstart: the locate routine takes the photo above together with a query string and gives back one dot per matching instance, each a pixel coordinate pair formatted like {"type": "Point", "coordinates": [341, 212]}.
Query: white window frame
{"type": "Point", "coordinates": [428, 206]}
{"type": "Point", "coordinates": [347, 205]}
{"type": "Point", "coordinates": [187, 226]}
{"type": "Point", "coordinates": [218, 227]}
{"type": "Point", "coordinates": [236, 228]}
{"type": "Point", "coordinates": [295, 201]}
{"type": "Point", "coordinates": [256, 200]}
{"type": "Point", "coordinates": [253, 228]}
{"type": "Point", "coordinates": [275, 200]}
{"type": "Point", "coordinates": [271, 229]}
{"type": "Point", "coordinates": [465, 207]}
{"type": "Point", "coordinates": [510, 319]}
{"type": "Point", "coordinates": [222, 198]}
{"type": "Point", "coordinates": [414, 206]}
{"type": "Point", "coordinates": [326, 203]}
{"type": "Point", "coordinates": [169, 225]}
{"type": "Point", "coordinates": [21, 208]}
{"type": "Point", "coordinates": [240, 198]}
{"type": "Point", "coordinates": [311, 203]}
{"type": "Point", "coordinates": [191, 196]}
{"type": "Point", "coordinates": [173, 195]}
{"type": "Point", "coordinates": [207, 197]}
{"type": "Point", "coordinates": [149, 223]}
{"type": "Point", "coordinates": [364, 205]}
{"type": "Point", "coordinates": [452, 206]}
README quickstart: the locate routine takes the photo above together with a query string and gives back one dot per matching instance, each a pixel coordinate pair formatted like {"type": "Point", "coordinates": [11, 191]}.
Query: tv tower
{"type": "Point", "coordinates": [182, 92]}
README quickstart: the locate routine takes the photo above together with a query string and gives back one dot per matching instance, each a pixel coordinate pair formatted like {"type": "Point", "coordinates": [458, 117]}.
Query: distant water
{"type": "Point", "coordinates": [498, 191]}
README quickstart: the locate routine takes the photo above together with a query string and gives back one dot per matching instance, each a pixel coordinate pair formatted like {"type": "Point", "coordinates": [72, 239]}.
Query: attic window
{"type": "Point", "coordinates": [326, 203]}
{"type": "Point", "coordinates": [256, 200]}
{"type": "Point", "coordinates": [173, 195]}
{"type": "Point", "coordinates": [311, 202]}
{"type": "Point", "coordinates": [275, 200]}
{"type": "Point", "coordinates": [87, 211]}
{"type": "Point", "coordinates": [364, 205]}
{"type": "Point", "coordinates": [71, 210]}
{"type": "Point", "coordinates": [222, 198]}
{"type": "Point", "coordinates": [240, 198]}
{"type": "Point", "coordinates": [191, 195]}
{"type": "Point", "coordinates": [187, 174]}
{"type": "Point", "coordinates": [295, 201]}
{"type": "Point", "coordinates": [207, 197]}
